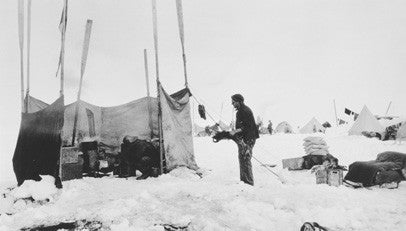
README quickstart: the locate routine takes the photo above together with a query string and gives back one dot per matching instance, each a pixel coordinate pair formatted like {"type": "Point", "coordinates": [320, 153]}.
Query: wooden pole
{"type": "Point", "coordinates": [21, 46]}
{"type": "Point", "coordinates": [335, 112]}
{"type": "Point", "coordinates": [155, 31]}
{"type": "Point", "coordinates": [387, 110]}
{"type": "Point", "coordinates": [28, 54]}
{"type": "Point", "coordinates": [146, 71]}
{"type": "Point", "coordinates": [148, 94]}
{"type": "Point", "coordinates": [82, 71]}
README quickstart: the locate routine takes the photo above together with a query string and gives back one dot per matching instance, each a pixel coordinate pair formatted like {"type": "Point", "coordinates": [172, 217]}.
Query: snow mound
{"type": "Point", "coordinates": [37, 190]}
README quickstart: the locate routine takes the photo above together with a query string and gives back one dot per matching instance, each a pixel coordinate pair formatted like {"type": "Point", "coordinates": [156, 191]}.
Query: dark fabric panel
{"type": "Point", "coordinates": [202, 111]}
{"type": "Point", "coordinates": [39, 142]}
{"type": "Point", "coordinates": [180, 94]}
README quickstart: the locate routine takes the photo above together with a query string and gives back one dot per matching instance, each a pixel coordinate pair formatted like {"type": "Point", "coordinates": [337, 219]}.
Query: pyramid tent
{"type": "Point", "coordinates": [401, 133]}
{"type": "Point", "coordinates": [366, 122]}
{"type": "Point", "coordinates": [312, 126]}
{"type": "Point", "coordinates": [283, 127]}
{"type": "Point", "coordinates": [396, 121]}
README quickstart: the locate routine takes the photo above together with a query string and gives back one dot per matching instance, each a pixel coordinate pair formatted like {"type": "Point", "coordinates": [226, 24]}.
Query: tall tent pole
{"type": "Point", "coordinates": [148, 94]}
{"type": "Point", "coordinates": [387, 110]}
{"type": "Point", "coordinates": [182, 36]}
{"type": "Point", "coordinates": [28, 54]}
{"type": "Point", "coordinates": [21, 46]}
{"type": "Point", "coordinates": [146, 71]}
{"type": "Point", "coordinates": [335, 112]}
{"type": "Point", "coordinates": [155, 30]}
{"type": "Point", "coordinates": [85, 51]}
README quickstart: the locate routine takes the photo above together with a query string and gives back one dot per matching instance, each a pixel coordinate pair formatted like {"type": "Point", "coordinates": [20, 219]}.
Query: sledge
{"type": "Point", "coordinates": [269, 165]}
{"type": "Point", "coordinates": [293, 163]}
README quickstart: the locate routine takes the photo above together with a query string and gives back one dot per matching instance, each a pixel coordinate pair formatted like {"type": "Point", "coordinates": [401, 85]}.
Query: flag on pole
{"type": "Point", "coordinates": [64, 17]}
{"type": "Point", "coordinates": [62, 28]}
{"type": "Point", "coordinates": [180, 20]}
{"type": "Point", "coordinates": [86, 46]}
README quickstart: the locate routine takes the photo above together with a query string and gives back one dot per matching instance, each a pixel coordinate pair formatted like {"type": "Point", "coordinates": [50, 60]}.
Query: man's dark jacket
{"type": "Point", "coordinates": [246, 122]}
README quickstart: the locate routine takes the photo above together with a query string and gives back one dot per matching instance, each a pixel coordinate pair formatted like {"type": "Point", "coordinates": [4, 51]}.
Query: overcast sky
{"type": "Point", "coordinates": [289, 58]}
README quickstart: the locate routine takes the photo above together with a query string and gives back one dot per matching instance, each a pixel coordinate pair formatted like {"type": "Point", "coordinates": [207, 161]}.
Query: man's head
{"type": "Point", "coordinates": [237, 100]}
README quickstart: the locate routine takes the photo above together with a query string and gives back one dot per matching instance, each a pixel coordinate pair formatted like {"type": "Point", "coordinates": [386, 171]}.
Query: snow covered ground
{"type": "Point", "coordinates": [218, 201]}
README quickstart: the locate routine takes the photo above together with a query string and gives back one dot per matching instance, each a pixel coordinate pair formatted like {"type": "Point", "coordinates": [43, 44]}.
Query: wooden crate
{"type": "Point", "coordinates": [72, 163]}
{"type": "Point", "coordinates": [321, 176]}
{"type": "Point", "coordinates": [332, 177]}
{"type": "Point", "coordinates": [335, 177]}
{"type": "Point", "coordinates": [293, 163]}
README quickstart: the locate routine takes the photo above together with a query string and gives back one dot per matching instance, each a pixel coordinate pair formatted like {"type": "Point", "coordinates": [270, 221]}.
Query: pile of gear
{"type": "Point", "coordinates": [389, 168]}
{"type": "Point", "coordinates": [315, 146]}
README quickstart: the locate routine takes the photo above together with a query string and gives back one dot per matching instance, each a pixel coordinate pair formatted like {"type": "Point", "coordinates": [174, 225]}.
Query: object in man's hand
{"type": "Point", "coordinates": [222, 135]}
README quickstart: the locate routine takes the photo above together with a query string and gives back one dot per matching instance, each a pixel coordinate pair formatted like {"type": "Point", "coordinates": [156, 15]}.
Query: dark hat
{"type": "Point", "coordinates": [237, 98]}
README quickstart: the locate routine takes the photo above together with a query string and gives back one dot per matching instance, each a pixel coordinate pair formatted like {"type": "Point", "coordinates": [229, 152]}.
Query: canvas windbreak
{"type": "Point", "coordinates": [39, 142]}
{"type": "Point", "coordinates": [109, 125]}
{"type": "Point", "coordinates": [177, 129]}
{"type": "Point", "coordinates": [129, 119]}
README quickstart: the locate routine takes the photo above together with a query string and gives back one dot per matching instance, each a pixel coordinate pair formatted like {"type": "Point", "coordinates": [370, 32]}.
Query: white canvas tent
{"type": "Point", "coordinates": [393, 121]}
{"type": "Point", "coordinates": [283, 127]}
{"type": "Point", "coordinates": [401, 133]}
{"type": "Point", "coordinates": [312, 126]}
{"type": "Point", "coordinates": [366, 122]}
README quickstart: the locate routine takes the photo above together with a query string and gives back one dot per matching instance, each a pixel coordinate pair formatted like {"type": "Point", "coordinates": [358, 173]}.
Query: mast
{"type": "Point", "coordinates": [148, 94]}
{"type": "Point", "coordinates": [28, 54]}
{"type": "Point", "coordinates": [155, 31]}
{"type": "Point", "coordinates": [21, 46]}
{"type": "Point", "coordinates": [82, 71]}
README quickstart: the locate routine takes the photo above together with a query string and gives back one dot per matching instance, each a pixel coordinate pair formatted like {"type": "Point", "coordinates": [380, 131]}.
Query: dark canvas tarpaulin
{"type": "Point", "coordinates": [39, 143]}
{"type": "Point", "coordinates": [177, 129]}
{"type": "Point", "coordinates": [108, 124]}
{"type": "Point", "coordinates": [34, 104]}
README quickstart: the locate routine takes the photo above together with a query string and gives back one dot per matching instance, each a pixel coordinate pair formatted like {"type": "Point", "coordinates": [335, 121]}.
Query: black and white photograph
{"type": "Point", "coordinates": [202, 115]}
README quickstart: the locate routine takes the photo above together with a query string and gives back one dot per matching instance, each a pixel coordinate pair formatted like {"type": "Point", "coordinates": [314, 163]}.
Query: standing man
{"type": "Point", "coordinates": [270, 127]}
{"type": "Point", "coordinates": [246, 132]}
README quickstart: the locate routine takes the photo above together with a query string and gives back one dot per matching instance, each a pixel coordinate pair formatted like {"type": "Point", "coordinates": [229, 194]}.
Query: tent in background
{"type": "Point", "coordinates": [393, 121]}
{"type": "Point", "coordinates": [366, 122]}
{"type": "Point", "coordinates": [283, 127]}
{"type": "Point", "coordinates": [312, 126]}
{"type": "Point", "coordinates": [401, 133]}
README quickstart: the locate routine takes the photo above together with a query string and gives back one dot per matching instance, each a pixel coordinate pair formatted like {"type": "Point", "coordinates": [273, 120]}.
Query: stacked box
{"type": "Point", "coordinates": [293, 163]}
{"type": "Point", "coordinates": [332, 177]}
{"type": "Point", "coordinates": [72, 163]}
{"type": "Point", "coordinates": [321, 176]}
{"type": "Point", "coordinates": [335, 177]}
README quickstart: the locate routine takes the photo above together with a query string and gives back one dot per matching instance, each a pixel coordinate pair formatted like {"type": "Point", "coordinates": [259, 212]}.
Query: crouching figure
{"type": "Point", "coordinates": [141, 155]}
